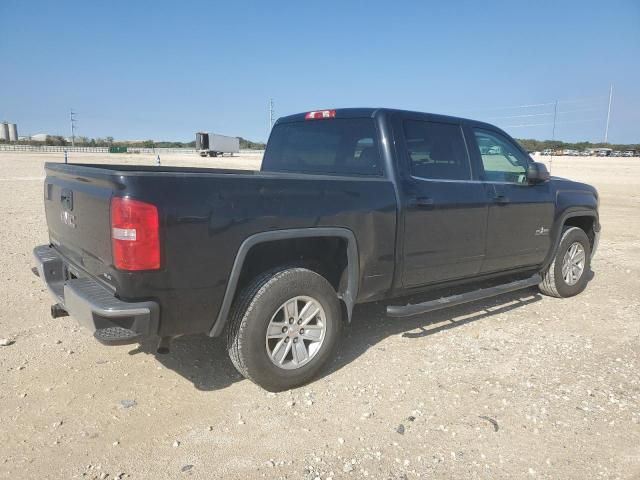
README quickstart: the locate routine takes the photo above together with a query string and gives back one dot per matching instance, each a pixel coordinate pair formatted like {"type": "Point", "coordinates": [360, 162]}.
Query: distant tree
{"type": "Point", "coordinates": [528, 144]}
{"type": "Point", "coordinates": [248, 144]}
{"type": "Point", "coordinates": [56, 140]}
{"type": "Point", "coordinates": [532, 145]}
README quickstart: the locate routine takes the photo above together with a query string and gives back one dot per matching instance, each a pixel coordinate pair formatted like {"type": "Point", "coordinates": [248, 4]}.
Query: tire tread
{"type": "Point", "coordinates": [245, 310]}
{"type": "Point", "coordinates": [549, 284]}
{"type": "Point", "coordinates": [240, 310]}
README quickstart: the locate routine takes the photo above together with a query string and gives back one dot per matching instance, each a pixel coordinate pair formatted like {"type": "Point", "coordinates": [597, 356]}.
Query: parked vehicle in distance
{"type": "Point", "coordinates": [350, 206]}
{"type": "Point", "coordinates": [547, 151]}
{"type": "Point", "coordinates": [212, 144]}
{"type": "Point", "coordinates": [586, 153]}
{"type": "Point", "coordinates": [616, 153]}
{"type": "Point", "coordinates": [629, 153]}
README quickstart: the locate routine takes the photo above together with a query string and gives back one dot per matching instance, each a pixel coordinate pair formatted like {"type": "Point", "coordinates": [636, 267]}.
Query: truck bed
{"type": "Point", "coordinates": [132, 169]}
{"type": "Point", "coordinates": [205, 215]}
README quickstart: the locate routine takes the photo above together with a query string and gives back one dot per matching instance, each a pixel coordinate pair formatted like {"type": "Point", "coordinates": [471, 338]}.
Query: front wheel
{"type": "Point", "coordinates": [284, 328]}
{"type": "Point", "coordinates": [568, 273]}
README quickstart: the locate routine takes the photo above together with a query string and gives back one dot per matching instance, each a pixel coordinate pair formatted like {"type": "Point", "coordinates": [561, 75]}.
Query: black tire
{"type": "Point", "coordinates": [250, 316]}
{"type": "Point", "coordinates": [553, 283]}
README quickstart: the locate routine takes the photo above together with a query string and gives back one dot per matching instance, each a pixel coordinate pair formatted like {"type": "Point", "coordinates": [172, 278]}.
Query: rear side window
{"type": "Point", "coordinates": [436, 150]}
{"type": "Point", "coordinates": [338, 146]}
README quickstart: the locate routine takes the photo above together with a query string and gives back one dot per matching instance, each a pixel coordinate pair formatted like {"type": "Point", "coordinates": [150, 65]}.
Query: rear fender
{"type": "Point", "coordinates": [348, 294]}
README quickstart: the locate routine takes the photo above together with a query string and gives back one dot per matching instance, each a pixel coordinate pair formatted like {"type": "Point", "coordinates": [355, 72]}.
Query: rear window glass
{"type": "Point", "coordinates": [338, 146]}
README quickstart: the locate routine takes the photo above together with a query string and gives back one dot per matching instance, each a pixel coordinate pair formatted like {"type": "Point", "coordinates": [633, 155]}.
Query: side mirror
{"type": "Point", "coordinates": [537, 173]}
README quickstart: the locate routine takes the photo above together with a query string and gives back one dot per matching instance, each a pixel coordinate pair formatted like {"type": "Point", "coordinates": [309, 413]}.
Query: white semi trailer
{"type": "Point", "coordinates": [212, 144]}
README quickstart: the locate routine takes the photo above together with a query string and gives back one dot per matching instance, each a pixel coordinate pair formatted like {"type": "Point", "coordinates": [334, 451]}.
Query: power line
{"type": "Point", "coordinates": [523, 116]}
{"type": "Point", "coordinates": [606, 129]}
{"type": "Point", "coordinates": [513, 107]}
{"type": "Point", "coordinates": [576, 106]}
{"type": "Point", "coordinates": [551, 123]}
{"type": "Point", "coordinates": [553, 132]}
{"type": "Point", "coordinates": [543, 104]}
{"type": "Point", "coordinates": [547, 114]}
{"type": "Point", "coordinates": [583, 99]}
{"type": "Point", "coordinates": [581, 110]}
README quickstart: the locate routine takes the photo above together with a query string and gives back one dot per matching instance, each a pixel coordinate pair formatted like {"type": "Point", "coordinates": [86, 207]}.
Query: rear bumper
{"type": "Point", "coordinates": [92, 305]}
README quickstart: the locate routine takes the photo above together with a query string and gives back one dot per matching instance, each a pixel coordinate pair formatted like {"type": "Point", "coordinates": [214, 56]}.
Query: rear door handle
{"type": "Point", "coordinates": [423, 202]}
{"type": "Point", "coordinates": [501, 199]}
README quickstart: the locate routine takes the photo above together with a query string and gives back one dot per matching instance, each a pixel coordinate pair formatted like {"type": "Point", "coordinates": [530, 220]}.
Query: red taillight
{"type": "Point", "coordinates": [135, 234]}
{"type": "Point", "coordinates": [320, 114]}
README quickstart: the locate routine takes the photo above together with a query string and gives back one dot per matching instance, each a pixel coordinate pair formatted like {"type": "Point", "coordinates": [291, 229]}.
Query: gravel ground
{"type": "Point", "coordinates": [520, 386]}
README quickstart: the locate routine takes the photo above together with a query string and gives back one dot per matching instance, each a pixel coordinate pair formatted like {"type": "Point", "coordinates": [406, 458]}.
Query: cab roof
{"type": "Point", "coordinates": [374, 112]}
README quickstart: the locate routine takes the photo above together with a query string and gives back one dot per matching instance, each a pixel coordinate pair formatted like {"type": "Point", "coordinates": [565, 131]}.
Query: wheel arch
{"type": "Point", "coordinates": [347, 291]}
{"type": "Point", "coordinates": [577, 218]}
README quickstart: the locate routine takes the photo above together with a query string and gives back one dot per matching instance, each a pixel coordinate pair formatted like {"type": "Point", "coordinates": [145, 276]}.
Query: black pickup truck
{"type": "Point", "coordinates": [350, 206]}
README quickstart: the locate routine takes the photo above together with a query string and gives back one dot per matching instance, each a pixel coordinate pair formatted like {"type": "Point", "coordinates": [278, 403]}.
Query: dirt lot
{"type": "Point", "coordinates": [522, 386]}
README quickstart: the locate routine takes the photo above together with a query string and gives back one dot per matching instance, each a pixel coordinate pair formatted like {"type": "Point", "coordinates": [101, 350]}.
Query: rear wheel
{"type": "Point", "coordinates": [284, 327]}
{"type": "Point", "coordinates": [568, 273]}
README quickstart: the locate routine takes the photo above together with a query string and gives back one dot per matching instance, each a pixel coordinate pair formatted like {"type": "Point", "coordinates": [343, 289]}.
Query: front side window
{"type": "Point", "coordinates": [436, 150]}
{"type": "Point", "coordinates": [501, 159]}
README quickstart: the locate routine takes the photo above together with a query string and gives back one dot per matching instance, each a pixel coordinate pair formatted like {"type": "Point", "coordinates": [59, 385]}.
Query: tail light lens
{"type": "Point", "coordinates": [320, 114]}
{"type": "Point", "coordinates": [135, 234]}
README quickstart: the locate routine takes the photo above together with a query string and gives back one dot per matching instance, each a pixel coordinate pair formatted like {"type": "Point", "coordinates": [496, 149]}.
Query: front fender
{"type": "Point", "coordinates": [572, 203]}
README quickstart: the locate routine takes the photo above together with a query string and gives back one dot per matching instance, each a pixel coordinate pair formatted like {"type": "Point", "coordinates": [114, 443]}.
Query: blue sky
{"type": "Point", "coordinates": [163, 70]}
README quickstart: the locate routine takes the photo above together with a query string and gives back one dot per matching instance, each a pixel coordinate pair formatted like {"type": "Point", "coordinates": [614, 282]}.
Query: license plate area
{"type": "Point", "coordinates": [70, 273]}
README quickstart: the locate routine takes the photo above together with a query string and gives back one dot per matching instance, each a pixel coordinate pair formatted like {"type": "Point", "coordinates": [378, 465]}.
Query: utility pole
{"type": "Point", "coordinates": [73, 127]}
{"type": "Point", "coordinates": [553, 132]}
{"type": "Point", "coordinates": [606, 130]}
{"type": "Point", "coordinates": [271, 114]}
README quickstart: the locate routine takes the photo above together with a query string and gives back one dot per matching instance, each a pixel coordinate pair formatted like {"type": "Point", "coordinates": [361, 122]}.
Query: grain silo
{"type": "Point", "coordinates": [4, 131]}
{"type": "Point", "coordinates": [13, 132]}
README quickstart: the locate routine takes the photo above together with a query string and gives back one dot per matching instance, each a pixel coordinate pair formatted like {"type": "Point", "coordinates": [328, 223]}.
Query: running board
{"type": "Point", "coordinates": [418, 308]}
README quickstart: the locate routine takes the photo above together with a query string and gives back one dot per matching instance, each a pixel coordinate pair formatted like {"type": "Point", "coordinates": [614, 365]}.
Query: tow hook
{"type": "Point", "coordinates": [164, 345]}
{"type": "Point", "coordinates": [57, 311]}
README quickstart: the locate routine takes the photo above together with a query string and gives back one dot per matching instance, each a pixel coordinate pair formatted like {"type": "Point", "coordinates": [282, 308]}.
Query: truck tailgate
{"type": "Point", "coordinates": [77, 207]}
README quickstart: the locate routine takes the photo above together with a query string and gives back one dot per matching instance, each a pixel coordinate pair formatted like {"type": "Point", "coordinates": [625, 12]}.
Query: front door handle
{"type": "Point", "coordinates": [423, 202]}
{"type": "Point", "coordinates": [501, 199]}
